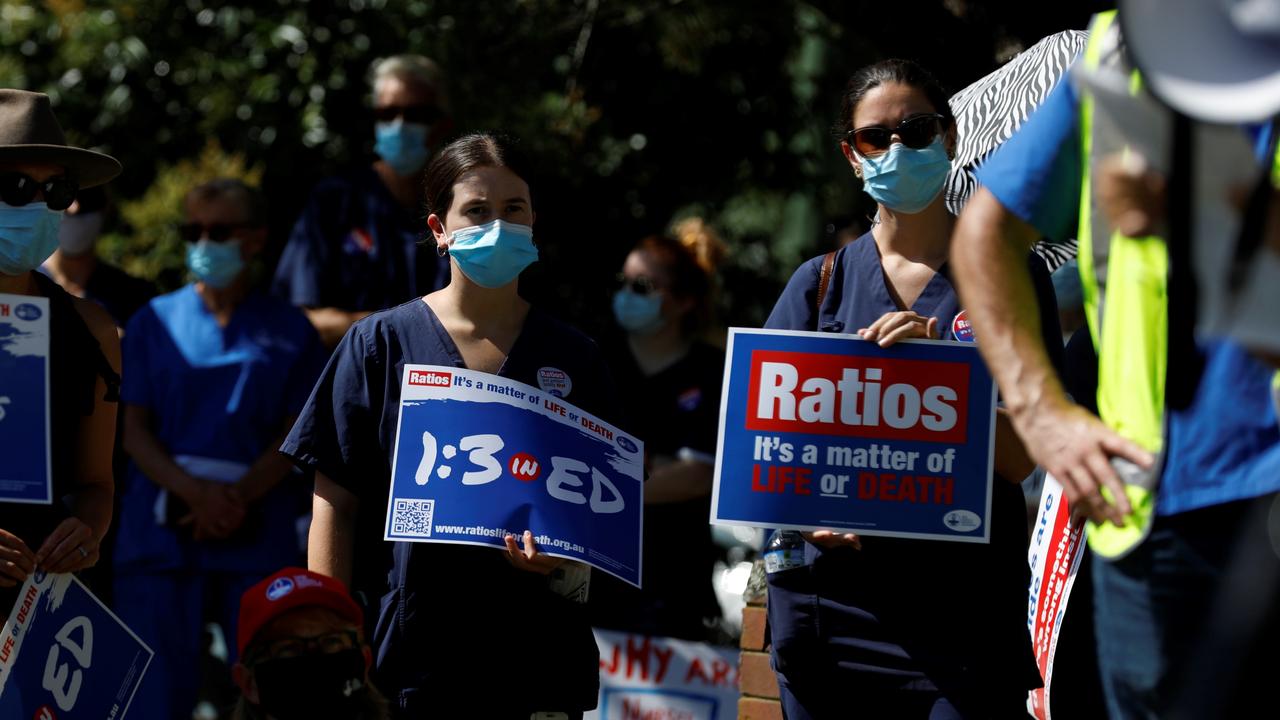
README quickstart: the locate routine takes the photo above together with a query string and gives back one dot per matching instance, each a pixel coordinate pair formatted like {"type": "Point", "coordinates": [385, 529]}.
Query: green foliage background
{"type": "Point", "coordinates": [639, 111]}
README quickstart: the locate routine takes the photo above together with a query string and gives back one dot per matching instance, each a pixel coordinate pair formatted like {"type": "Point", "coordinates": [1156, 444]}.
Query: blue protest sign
{"type": "Point", "coordinates": [820, 430]}
{"type": "Point", "coordinates": [65, 656]}
{"type": "Point", "coordinates": [479, 457]}
{"type": "Point", "coordinates": [26, 474]}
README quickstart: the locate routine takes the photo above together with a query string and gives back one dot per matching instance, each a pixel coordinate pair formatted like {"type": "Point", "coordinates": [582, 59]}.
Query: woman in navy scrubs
{"type": "Point", "coordinates": [883, 627]}
{"type": "Point", "coordinates": [462, 631]}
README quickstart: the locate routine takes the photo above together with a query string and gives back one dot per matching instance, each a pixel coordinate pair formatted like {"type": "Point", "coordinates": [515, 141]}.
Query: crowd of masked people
{"type": "Point", "coordinates": [210, 442]}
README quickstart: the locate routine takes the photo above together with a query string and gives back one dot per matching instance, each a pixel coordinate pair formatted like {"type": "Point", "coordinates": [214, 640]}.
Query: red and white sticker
{"type": "Point", "coordinates": [555, 381]}
{"type": "Point", "coordinates": [961, 329]}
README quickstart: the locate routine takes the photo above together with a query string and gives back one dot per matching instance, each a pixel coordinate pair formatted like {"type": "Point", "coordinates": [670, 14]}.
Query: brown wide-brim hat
{"type": "Point", "coordinates": [29, 133]}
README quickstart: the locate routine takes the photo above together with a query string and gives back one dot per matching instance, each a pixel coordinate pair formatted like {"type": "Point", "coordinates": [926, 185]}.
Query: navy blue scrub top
{"type": "Point", "coordinates": [455, 623]}
{"type": "Point", "coordinates": [904, 614]}
{"type": "Point", "coordinates": [355, 247]}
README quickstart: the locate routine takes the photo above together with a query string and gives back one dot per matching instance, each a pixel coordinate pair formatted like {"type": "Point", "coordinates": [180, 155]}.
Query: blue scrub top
{"type": "Point", "coordinates": [451, 618]}
{"type": "Point", "coordinates": [355, 247]}
{"type": "Point", "coordinates": [220, 393]}
{"type": "Point", "coordinates": [904, 614]}
{"type": "Point", "coordinates": [1225, 446]}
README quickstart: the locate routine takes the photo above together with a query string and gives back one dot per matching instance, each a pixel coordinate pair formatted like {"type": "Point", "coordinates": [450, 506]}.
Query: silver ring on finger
{"type": "Point", "coordinates": [84, 555]}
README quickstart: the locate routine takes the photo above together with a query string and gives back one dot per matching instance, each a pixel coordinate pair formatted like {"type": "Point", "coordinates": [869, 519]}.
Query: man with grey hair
{"type": "Point", "coordinates": [355, 248]}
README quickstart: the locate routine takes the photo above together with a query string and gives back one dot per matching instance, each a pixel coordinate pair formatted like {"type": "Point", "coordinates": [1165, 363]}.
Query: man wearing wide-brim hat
{"type": "Point", "coordinates": [39, 177]}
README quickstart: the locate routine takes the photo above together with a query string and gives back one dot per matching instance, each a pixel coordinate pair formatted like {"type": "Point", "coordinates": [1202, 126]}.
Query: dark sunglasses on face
{"type": "Point", "coordinates": [640, 285]}
{"type": "Point", "coordinates": [423, 114]}
{"type": "Point", "coordinates": [916, 132]}
{"type": "Point", "coordinates": [18, 189]}
{"type": "Point", "coordinates": [217, 232]}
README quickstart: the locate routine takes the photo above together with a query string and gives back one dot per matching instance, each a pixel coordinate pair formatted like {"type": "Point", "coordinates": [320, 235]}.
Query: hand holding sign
{"type": "Point", "coordinates": [831, 539]}
{"type": "Point", "coordinates": [70, 547]}
{"type": "Point", "coordinates": [1074, 446]}
{"type": "Point", "coordinates": [895, 326]}
{"type": "Point", "coordinates": [16, 559]}
{"type": "Point", "coordinates": [528, 558]}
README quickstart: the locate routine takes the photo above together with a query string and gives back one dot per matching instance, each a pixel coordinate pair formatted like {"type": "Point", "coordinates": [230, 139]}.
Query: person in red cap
{"type": "Point", "coordinates": [302, 652]}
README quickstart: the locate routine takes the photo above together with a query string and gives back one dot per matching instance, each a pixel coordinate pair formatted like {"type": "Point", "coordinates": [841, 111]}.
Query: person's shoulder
{"type": "Point", "coordinates": [554, 331]}
{"type": "Point", "coordinates": [385, 327]}
{"type": "Point", "coordinates": [705, 353]}
{"type": "Point", "coordinates": [350, 182]}
{"type": "Point", "coordinates": [102, 326]}
{"type": "Point", "coordinates": [119, 276]}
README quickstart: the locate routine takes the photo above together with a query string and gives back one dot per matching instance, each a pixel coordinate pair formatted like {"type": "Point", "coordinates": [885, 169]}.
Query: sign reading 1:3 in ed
{"type": "Point", "coordinates": [479, 457]}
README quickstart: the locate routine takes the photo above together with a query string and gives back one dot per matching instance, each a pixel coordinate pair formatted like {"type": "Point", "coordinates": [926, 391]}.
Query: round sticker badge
{"type": "Point", "coordinates": [555, 381]}
{"type": "Point", "coordinates": [279, 589]}
{"type": "Point", "coordinates": [961, 329]}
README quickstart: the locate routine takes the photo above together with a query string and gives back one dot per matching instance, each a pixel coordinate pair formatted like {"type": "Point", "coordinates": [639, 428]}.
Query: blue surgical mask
{"type": "Point", "coordinates": [638, 314]}
{"type": "Point", "coordinates": [493, 254]}
{"type": "Point", "coordinates": [28, 236]}
{"type": "Point", "coordinates": [906, 180]}
{"type": "Point", "coordinates": [402, 145]}
{"type": "Point", "coordinates": [216, 264]}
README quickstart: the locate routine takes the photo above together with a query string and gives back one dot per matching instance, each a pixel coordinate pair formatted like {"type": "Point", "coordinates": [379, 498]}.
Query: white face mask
{"type": "Point", "coordinates": [78, 232]}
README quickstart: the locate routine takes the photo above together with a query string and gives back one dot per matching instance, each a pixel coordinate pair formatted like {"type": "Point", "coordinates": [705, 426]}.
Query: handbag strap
{"type": "Point", "coordinates": [824, 280]}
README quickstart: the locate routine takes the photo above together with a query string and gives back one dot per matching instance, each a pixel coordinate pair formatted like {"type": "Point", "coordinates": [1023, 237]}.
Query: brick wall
{"type": "Point", "coordinates": [757, 684]}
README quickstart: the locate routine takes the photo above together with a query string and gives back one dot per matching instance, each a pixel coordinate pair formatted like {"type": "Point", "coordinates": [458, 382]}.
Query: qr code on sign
{"type": "Point", "coordinates": [412, 518]}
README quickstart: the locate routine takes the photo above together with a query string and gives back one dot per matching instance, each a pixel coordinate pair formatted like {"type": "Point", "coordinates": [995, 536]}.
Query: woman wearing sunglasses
{"type": "Point", "coordinates": [462, 631]}
{"type": "Point", "coordinates": [39, 177]}
{"type": "Point", "coordinates": [669, 381]}
{"type": "Point", "coordinates": [886, 627]}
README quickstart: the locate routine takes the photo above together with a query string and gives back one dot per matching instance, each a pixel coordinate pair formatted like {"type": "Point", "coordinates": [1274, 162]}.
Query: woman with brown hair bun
{"type": "Point", "coordinates": [462, 631]}
{"type": "Point", "coordinates": [669, 381]}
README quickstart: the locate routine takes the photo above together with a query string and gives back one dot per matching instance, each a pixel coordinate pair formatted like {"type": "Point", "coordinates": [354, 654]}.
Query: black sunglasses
{"type": "Point", "coordinates": [640, 284]}
{"type": "Point", "coordinates": [424, 114]}
{"type": "Point", "coordinates": [916, 132]}
{"type": "Point", "coordinates": [18, 189]}
{"type": "Point", "coordinates": [217, 232]}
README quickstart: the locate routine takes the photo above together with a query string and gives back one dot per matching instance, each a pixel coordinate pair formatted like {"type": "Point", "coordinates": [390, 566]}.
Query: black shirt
{"type": "Point", "coordinates": [676, 413]}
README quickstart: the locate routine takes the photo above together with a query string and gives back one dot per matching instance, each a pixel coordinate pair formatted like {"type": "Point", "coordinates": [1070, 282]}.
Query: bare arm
{"type": "Point", "coordinates": [332, 323]}
{"type": "Point", "coordinates": [988, 257]}
{"type": "Point", "coordinates": [73, 545]}
{"type": "Point", "coordinates": [331, 544]}
{"type": "Point", "coordinates": [269, 469]}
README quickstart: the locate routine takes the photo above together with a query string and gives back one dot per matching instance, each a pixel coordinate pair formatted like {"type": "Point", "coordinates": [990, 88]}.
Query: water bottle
{"type": "Point", "coordinates": [784, 551]}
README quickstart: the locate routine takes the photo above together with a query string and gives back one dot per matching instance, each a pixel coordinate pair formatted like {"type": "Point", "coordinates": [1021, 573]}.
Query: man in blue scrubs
{"type": "Point", "coordinates": [357, 248]}
{"type": "Point", "coordinates": [216, 373]}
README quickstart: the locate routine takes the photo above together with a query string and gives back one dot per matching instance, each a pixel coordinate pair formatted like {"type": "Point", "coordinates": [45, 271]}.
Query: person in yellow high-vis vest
{"type": "Point", "coordinates": [1166, 480]}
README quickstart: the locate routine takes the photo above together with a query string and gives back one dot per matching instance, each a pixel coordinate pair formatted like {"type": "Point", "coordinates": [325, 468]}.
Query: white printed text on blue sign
{"type": "Point", "coordinates": [64, 655]}
{"type": "Point", "coordinates": [828, 431]}
{"type": "Point", "coordinates": [26, 470]}
{"type": "Point", "coordinates": [479, 457]}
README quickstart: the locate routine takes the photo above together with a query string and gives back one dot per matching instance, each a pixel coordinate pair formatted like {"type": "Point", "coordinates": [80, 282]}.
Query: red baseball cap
{"type": "Point", "coordinates": [287, 589]}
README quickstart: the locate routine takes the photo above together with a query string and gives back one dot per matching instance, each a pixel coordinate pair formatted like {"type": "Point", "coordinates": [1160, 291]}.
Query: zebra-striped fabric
{"type": "Point", "coordinates": [990, 110]}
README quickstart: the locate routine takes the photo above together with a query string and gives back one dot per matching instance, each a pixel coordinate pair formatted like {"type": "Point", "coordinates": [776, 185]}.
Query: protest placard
{"type": "Point", "coordinates": [479, 457]}
{"type": "Point", "coordinates": [1054, 556]}
{"type": "Point", "coordinates": [645, 677]}
{"type": "Point", "coordinates": [64, 655]}
{"type": "Point", "coordinates": [821, 430]}
{"type": "Point", "coordinates": [26, 471]}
